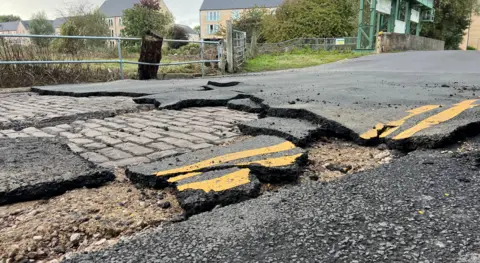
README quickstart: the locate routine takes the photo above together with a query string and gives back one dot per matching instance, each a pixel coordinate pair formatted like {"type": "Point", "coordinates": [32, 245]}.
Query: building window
{"type": "Point", "coordinates": [213, 29]}
{"type": "Point", "coordinates": [120, 21]}
{"type": "Point", "coordinates": [235, 14]}
{"type": "Point", "coordinates": [113, 33]}
{"type": "Point", "coordinates": [213, 16]}
{"type": "Point", "coordinates": [110, 21]}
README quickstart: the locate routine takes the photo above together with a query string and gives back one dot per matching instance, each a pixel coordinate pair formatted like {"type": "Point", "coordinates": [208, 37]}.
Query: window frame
{"type": "Point", "coordinates": [214, 30]}
{"type": "Point", "coordinates": [213, 16]}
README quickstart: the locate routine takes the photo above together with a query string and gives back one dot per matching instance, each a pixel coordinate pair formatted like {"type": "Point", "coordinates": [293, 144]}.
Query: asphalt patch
{"type": "Point", "coordinates": [246, 105]}
{"type": "Point", "coordinates": [180, 100]}
{"type": "Point", "coordinates": [36, 168]}
{"type": "Point", "coordinates": [300, 132]}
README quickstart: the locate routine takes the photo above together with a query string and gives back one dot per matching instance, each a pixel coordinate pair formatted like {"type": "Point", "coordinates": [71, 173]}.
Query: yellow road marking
{"type": "Point", "coordinates": [373, 133]}
{"type": "Point", "coordinates": [275, 162]}
{"type": "Point", "coordinates": [181, 177]}
{"type": "Point", "coordinates": [225, 182]}
{"type": "Point", "coordinates": [438, 118]}
{"type": "Point", "coordinates": [229, 157]}
{"type": "Point", "coordinates": [396, 124]}
{"type": "Point", "coordinates": [272, 162]}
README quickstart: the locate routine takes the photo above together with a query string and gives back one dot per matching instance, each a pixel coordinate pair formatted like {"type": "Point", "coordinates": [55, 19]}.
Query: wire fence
{"type": "Point", "coordinates": [29, 50]}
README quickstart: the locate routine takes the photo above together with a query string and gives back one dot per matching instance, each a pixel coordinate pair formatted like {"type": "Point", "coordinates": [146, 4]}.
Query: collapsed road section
{"type": "Point", "coordinates": [223, 175]}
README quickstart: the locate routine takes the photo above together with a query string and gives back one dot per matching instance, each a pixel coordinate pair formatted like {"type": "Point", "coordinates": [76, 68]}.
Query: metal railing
{"type": "Point", "coordinates": [120, 59]}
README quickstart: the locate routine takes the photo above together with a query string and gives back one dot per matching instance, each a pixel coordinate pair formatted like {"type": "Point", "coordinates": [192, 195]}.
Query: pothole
{"type": "Point", "coordinates": [331, 159]}
{"type": "Point", "coordinates": [81, 220]}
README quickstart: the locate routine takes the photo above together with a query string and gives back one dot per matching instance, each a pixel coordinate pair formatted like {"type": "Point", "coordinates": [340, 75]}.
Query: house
{"type": "Point", "coordinates": [192, 34]}
{"type": "Point", "coordinates": [113, 10]}
{"type": "Point", "coordinates": [15, 28]}
{"type": "Point", "coordinates": [472, 35]}
{"type": "Point", "coordinates": [215, 13]}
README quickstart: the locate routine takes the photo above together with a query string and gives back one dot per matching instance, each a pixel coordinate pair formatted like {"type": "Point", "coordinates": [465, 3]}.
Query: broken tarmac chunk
{"type": "Point", "coordinates": [202, 193]}
{"type": "Point", "coordinates": [300, 132]}
{"type": "Point", "coordinates": [35, 168]}
{"type": "Point", "coordinates": [246, 105]}
{"type": "Point", "coordinates": [271, 159]}
{"type": "Point", "coordinates": [180, 100]}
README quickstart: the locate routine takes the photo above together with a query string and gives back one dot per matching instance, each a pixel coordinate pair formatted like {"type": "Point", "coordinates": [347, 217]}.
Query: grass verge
{"type": "Point", "coordinates": [297, 59]}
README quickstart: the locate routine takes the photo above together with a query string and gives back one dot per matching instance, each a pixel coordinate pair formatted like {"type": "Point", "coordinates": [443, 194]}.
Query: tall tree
{"type": "Point", "coordinates": [144, 17]}
{"type": "Point", "coordinates": [9, 18]}
{"type": "Point", "coordinates": [40, 25]}
{"type": "Point", "coordinates": [452, 18]}
{"type": "Point", "coordinates": [197, 29]}
{"type": "Point", "coordinates": [310, 18]}
{"type": "Point", "coordinates": [251, 21]}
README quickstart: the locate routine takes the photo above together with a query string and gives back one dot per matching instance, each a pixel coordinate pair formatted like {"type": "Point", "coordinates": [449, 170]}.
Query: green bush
{"type": "Point", "coordinates": [309, 18]}
{"type": "Point", "coordinates": [471, 48]}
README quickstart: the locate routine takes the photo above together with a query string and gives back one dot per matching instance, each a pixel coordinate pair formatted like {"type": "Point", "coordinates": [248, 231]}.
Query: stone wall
{"type": "Point", "coordinates": [390, 42]}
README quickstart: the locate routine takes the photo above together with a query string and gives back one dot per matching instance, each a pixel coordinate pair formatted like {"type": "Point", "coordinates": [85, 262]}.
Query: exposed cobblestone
{"type": "Point", "coordinates": [19, 110]}
{"type": "Point", "coordinates": [143, 137]}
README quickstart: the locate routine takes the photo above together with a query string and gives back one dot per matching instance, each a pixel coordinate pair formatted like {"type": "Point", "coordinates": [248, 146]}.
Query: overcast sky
{"type": "Point", "coordinates": [185, 11]}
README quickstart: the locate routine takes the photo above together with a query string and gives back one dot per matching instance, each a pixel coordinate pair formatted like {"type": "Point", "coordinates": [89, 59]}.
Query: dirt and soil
{"type": "Point", "coordinates": [332, 158]}
{"type": "Point", "coordinates": [81, 220]}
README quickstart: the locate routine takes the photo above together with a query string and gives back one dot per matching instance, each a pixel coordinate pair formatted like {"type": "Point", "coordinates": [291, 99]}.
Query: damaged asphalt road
{"type": "Point", "coordinates": [347, 98]}
{"type": "Point", "coordinates": [421, 208]}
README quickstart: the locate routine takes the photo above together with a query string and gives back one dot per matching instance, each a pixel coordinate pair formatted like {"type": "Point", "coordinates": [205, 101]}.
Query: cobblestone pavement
{"type": "Point", "coordinates": [19, 110]}
{"type": "Point", "coordinates": [143, 137]}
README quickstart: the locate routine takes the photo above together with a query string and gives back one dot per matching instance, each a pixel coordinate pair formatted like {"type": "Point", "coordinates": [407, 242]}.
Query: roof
{"type": "Point", "coordinates": [112, 8]}
{"type": "Point", "coordinates": [238, 4]}
{"type": "Point", "coordinates": [58, 22]}
{"type": "Point", "coordinates": [9, 26]}
{"type": "Point", "coordinates": [187, 29]}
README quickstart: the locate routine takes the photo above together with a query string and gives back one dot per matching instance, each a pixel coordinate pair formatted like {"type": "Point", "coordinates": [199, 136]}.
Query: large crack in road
{"type": "Point", "coordinates": [342, 106]}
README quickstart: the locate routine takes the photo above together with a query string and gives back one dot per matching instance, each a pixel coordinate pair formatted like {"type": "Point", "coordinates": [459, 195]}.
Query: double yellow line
{"type": "Point", "coordinates": [381, 130]}
{"type": "Point", "coordinates": [230, 180]}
